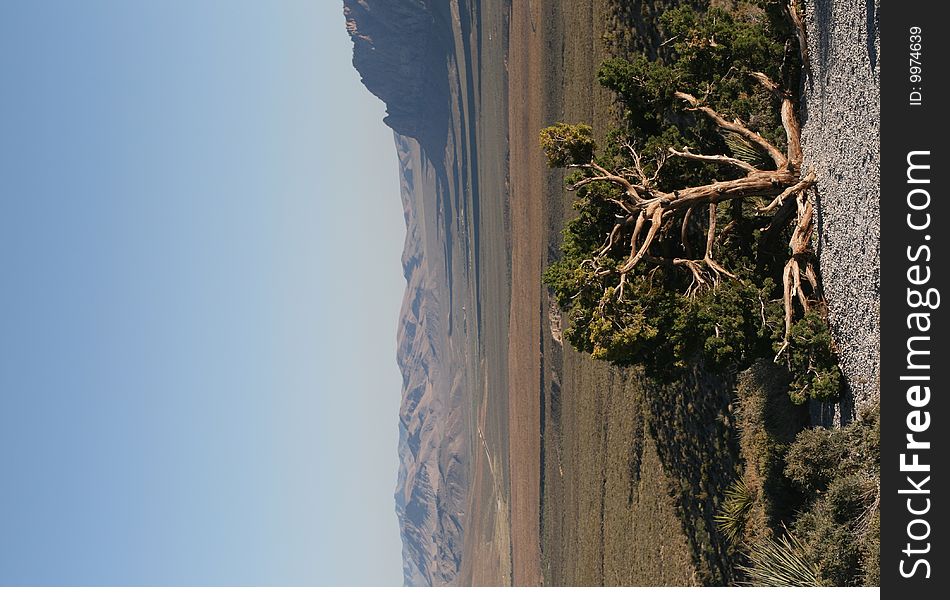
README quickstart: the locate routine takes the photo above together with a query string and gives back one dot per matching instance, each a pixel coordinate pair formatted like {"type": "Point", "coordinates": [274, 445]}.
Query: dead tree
{"type": "Point", "coordinates": [644, 209]}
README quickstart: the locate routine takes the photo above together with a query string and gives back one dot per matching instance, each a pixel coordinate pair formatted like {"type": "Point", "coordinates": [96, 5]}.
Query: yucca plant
{"type": "Point", "coordinates": [743, 150]}
{"type": "Point", "coordinates": [734, 512]}
{"type": "Point", "coordinates": [779, 563]}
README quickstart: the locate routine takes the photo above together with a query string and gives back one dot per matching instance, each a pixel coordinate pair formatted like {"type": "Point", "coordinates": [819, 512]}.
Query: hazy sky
{"type": "Point", "coordinates": [200, 233]}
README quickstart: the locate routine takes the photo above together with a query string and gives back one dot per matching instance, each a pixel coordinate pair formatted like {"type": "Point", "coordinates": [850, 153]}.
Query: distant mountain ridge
{"type": "Point", "coordinates": [432, 480]}
{"type": "Point", "coordinates": [401, 51]}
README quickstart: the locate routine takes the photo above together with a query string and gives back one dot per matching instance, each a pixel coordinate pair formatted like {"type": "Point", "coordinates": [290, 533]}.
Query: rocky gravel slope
{"type": "Point", "coordinates": [841, 138]}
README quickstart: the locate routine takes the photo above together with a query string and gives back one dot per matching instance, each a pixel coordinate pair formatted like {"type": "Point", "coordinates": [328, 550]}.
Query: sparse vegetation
{"type": "Point", "coordinates": [779, 562]}
{"type": "Point", "coordinates": [735, 509]}
{"type": "Point", "coordinates": [822, 484]}
{"type": "Point", "coordinates": [678, 264]}
{"type": "Point", "coordinates": [838, 471]}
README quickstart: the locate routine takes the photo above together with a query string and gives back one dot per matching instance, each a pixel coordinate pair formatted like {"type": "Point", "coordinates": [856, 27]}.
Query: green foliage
{"type": "Point", "coordinates": [819, 456]}
{"type": "Point", "coordinates": [767, 424]}
{"type": "Point", "coordinates": [656, 325]}
{"type": "Point", "coordinates": [658, 320]}
{"type": "Point", "coordinates": [734, 512]}
{"type": "Point", "coordinates": [823, 482]}
{"type": "Point", "coordinates": [710, 55]}
{"type": "Point", "coordinates": [740, 148]}
{"type": "Point", "coordinates": [565, 144]}
{"type": "Point", "coordinates": [812, 361]}
{"type": "Point", "coordinates": [781, 562]}
{"type": "Point", "coordinates": [815, 459]}
{"type": "Point", "coordinates": [837, 532]}
{"type": "Point", "coordinates": [726, 322]}
{"type": "Point", "coordinates": [839, 471]}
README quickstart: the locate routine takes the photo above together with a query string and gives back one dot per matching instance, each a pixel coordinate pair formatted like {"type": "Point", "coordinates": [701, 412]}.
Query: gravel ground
{"type": "Point", "coordinates": [841, 138]}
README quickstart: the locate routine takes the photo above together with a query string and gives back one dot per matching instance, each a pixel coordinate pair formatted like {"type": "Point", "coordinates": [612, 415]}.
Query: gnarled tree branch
{"type": "Point", "coordinates": [736, 126]}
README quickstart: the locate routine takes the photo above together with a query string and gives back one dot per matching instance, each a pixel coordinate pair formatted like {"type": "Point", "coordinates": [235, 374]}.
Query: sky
{"type": "Point", "coordinates": [200, 236]}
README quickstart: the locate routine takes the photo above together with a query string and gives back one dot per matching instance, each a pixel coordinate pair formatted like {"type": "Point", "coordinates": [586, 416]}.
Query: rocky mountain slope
{"type": "Point", "coordinates": [432, 476]}
{"type": "Point", "coordinates": [402, 52]}
{"type": "Point", "coordinates": [399, 49]}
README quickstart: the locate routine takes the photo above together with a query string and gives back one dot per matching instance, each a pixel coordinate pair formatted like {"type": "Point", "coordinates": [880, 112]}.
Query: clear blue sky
{"type": "Point", "coordinates": [200, 233]}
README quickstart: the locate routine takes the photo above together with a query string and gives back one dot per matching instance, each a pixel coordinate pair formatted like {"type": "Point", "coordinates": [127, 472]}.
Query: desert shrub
{"type": "Point", "coordinates": [871, 551]}
{"type": "Point", "coordinates": [820, 456]}
{"type": "Point", "coordinates": [831, 544]}
{"type": "Point", "coordinates": [823, 483]}
{"type": "Point", "coordinates": [566, 144]}
{"type": "Point", "coordinates": [839, 527]}
{"type": "Point", "coordinates": [780, 562]}
{"type": "Point", "coordinates": [767, 425]}
{"type": "Point", "coordinates": [816, 458]}
{"type": "Point", "coordinates": [812, 360]}
{"type": "Point", "coordinates": [734, 512]}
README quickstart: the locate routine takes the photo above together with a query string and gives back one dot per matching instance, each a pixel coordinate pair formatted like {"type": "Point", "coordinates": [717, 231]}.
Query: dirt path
{"type": "Point", "coordinates": [524, 352]}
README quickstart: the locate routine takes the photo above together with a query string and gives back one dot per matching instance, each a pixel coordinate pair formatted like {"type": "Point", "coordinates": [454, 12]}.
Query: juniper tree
{"type": "Point", "coordinates": [677, 247]}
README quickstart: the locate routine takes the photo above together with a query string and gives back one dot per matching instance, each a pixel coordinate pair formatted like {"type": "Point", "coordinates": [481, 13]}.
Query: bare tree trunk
{"type": "Point", "coordinates": [641, 203]}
